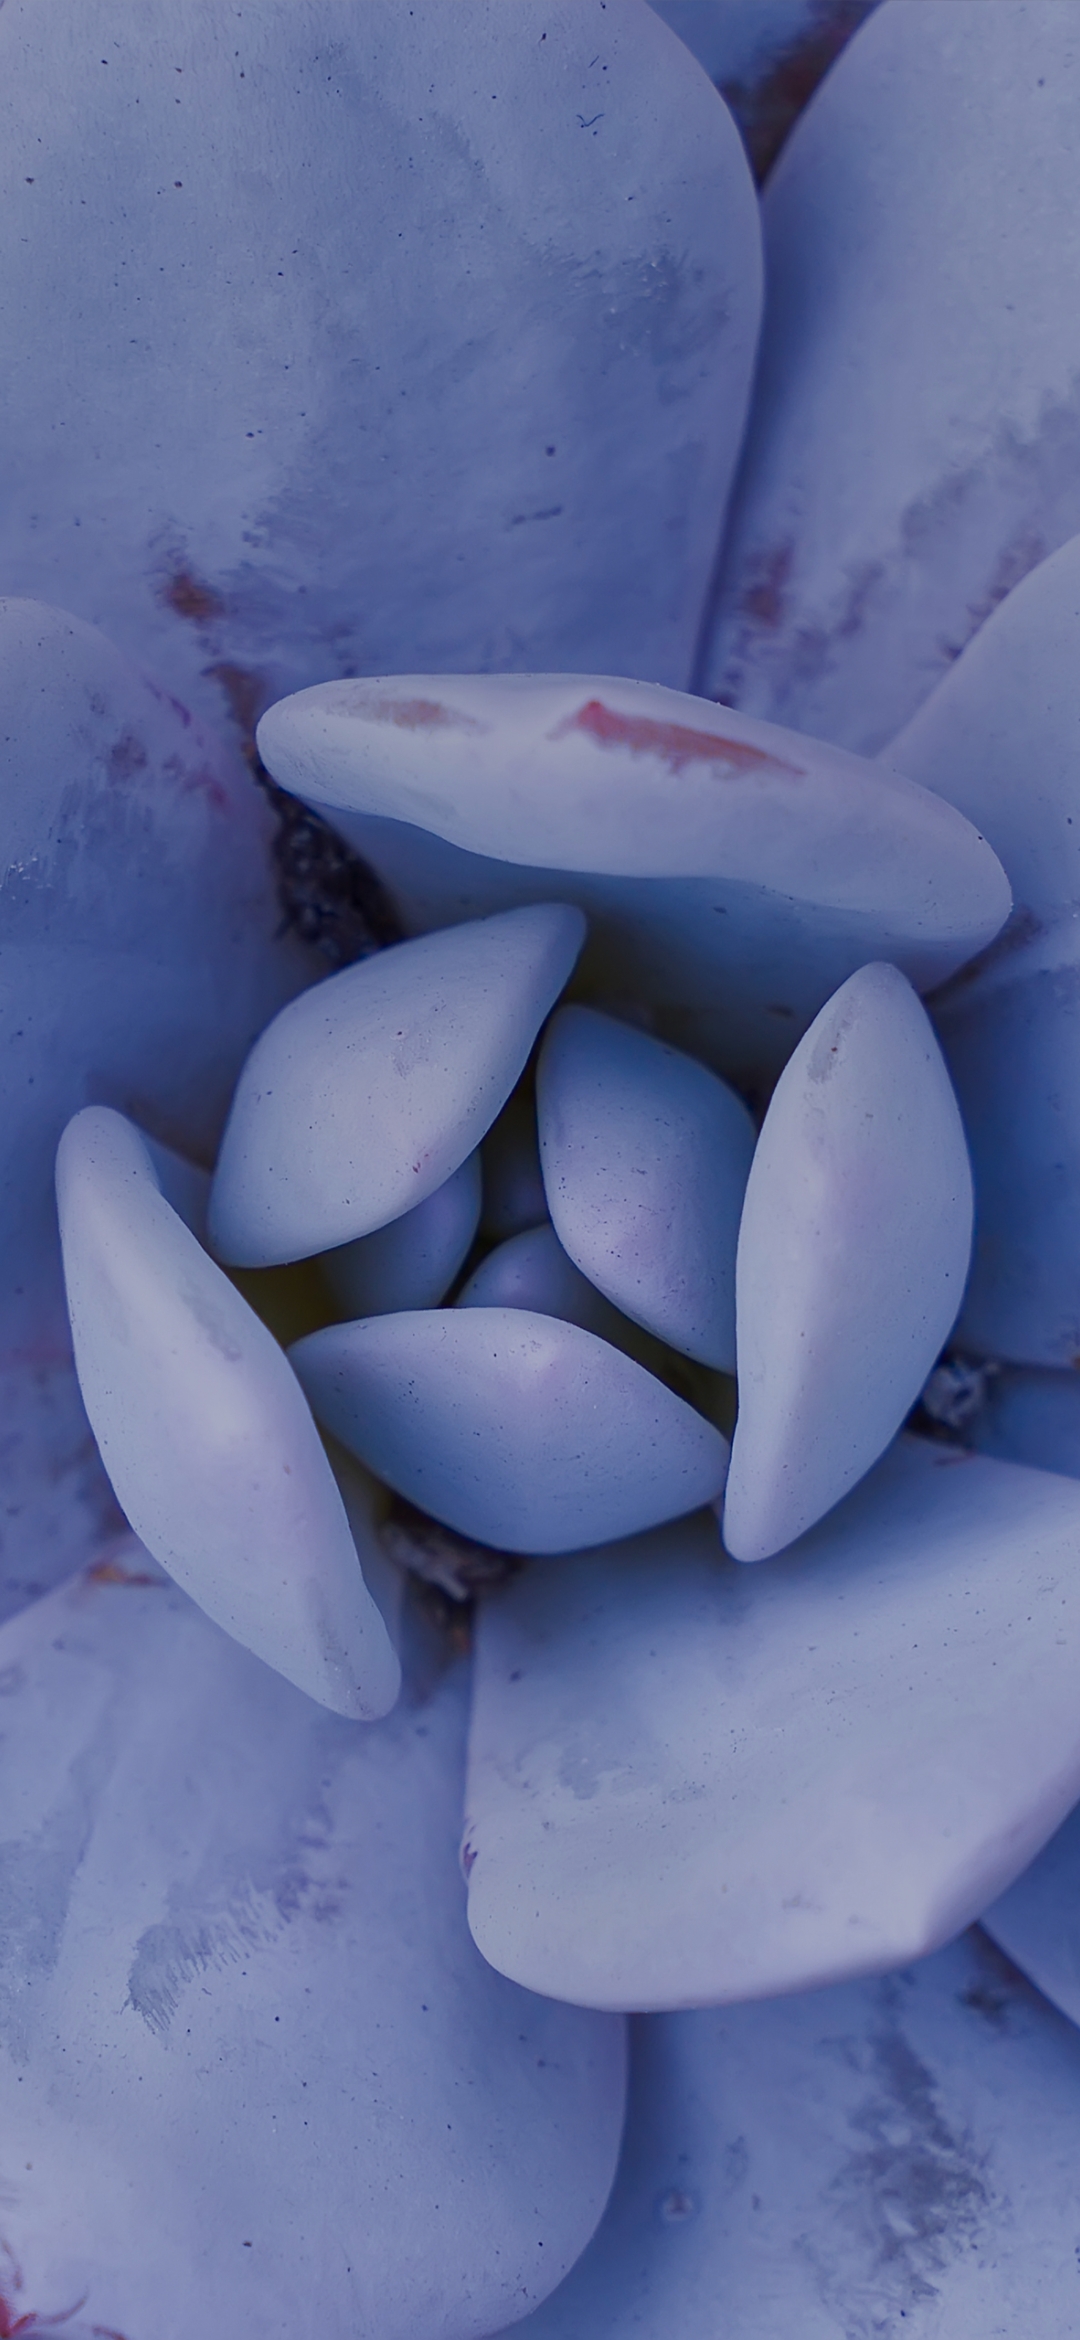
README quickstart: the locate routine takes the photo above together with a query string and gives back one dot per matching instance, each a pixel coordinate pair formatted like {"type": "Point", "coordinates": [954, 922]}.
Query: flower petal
{"type": "Point", "coordinates": [645, 1157]}
{"type": "Point", "coordinates": [736, 873]}
{"type": "Point", "coordinates": [692, 1782]}
{"type": "Point", "coordinates": [520, 1430]}
{"type": "Point", "coordinates": [366, 1094]}
{"type": "Point", "coordinates": [886, 2154]}
{"type": "Point", "coordinates": [412, 1262]}
{"type": "Point", "coordinates": [853, 1250]}
{"type": "Point", "coordinates": [139, 927]}
{"type": "Point", "coordinates": [204, 1432]}
{"type": "Point", "coordinates": [917, 425]}
{"type": "Point", "coordinates": [267, 408]}
{"type": "Point", "coordinates": [255, 2077]}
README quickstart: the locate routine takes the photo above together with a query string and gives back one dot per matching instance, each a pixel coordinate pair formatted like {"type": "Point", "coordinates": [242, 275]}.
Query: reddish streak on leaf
{"type": "Point", "coordinates": [190, 597]}
{"type": "Point", "coordinates": [420, 715]}
{"type": "Point", "coordinates": [675, 744]}
{"type": "Point", "coordinates": [31, 2322]}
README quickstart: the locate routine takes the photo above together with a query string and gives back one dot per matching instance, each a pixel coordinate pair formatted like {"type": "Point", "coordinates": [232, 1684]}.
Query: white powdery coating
{"type": "Point", "coordinates": [256, 2079]}
{"type": "Point", "coordinates": [734, 873]}
{"type": "Point", "coordinates": [853, 1249]}
{"type": "Point", "coordinates": [998, 738]}
{"type": "Point", "coordinates": [518, 1429]}
{"type": "Point", "coordinates": [348, 338]}
{"type": "Point", "coordinates": [365, 1095]}
{"type": "Point", "coordinates": [204, 1430]}
{"type": "Point", "coordinates": [141, 949]}
{"type": "Point", "coordinates": [645, 1156]}
{"type": "Point", "coordinates": [692, 1782]}
{"type": "Point", "coordinates": [890, 2158]}
{"type": "Point", "coordinates": [916, 437]}
{"type": "Point", "coordinates": [412, 1262]}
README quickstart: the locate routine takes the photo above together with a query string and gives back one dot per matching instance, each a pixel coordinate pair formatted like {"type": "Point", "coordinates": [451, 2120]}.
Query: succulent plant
{"type": "Point", "coordinates": [542, 1452]}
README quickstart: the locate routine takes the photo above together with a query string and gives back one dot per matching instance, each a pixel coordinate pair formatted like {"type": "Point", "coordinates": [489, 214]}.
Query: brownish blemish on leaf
{"type": "Point", "coordinates": [190, 597]}
{"type": "Point", "coordinates": [675, 744]}
{"type": "Point", "coordinates": [1017, 558]}
{"type": "Point", "coordinates": [110, 1572]}
{"type": "Point", "coordinates": [126, 756]}
{"type": "Point", "coordinates": [764, 597]}
{"type": "Point", "coordinates": [419, 715]}
{"type": "Point", "coordinates": [247, 696]}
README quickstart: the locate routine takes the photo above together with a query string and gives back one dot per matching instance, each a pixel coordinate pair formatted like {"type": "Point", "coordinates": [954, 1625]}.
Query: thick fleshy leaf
{"type": "Point", "coordinates": [140, 956]}
{"type": "Point", "coordinates": [889, 2160]}
{"type": "Point", "coordinates": [204, 1431]}
{"type": "Point", "coordinates": [692, 1782]}
{"type": "Point", "coordinates": [363, 1097]}
{"type": "Point", "coordinates": [1037, 1922]}
{"type": "Point", "coordinates": [412, 1262]}
{"type": "Point", "coordinates": [1012, 1041]}
{"type": "Point", "coordinates": [734, 874]}
{"type": "Point", "coordinates": [645, 1157]}
{"type": "Point", "coordinates": [520, 1430]}
{"type": "Point", "coordinates": [255, 2078]}
{"type": "Point", "coordinates": [998, 739]}
{"type": "Point", "coordinates": [853, 1249]}
{"type": "Point", "coordinates": [307, 372]}
{"type": "Point", "coordinates": [916, 446]}
{"type": "Point", "coordinates": [531, 1270]}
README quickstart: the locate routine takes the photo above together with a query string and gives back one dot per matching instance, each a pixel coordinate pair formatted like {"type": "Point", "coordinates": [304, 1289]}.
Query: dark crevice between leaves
{"type": "Point", "coordinates": [953, 1400]}
{"type": "Point", "coordinates": [445, 1575]}
{"type": "Point", "coordinates": [330, 897]}
{"type": "Point", "coordinates": [767, 110]}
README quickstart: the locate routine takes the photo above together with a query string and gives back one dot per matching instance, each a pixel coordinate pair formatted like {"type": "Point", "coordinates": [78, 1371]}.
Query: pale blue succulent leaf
{"type": "Point", "coordinates": [366, 1094]}
{"type": "Point", "coordinates": [886, 2157]}
{"type": "Point", "coordinates": [254, 2073]}
{"type": "Point", "coordinates": [693, 1783]}
{"type": "Point", "coordinates": [204, 1430]}
{"type": "Point", "coordinates": [853, 1252]}
{"type": "Point", "coordinates": [518, 1429]}
{"type": "Point", "coordinates": [915, 447]}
